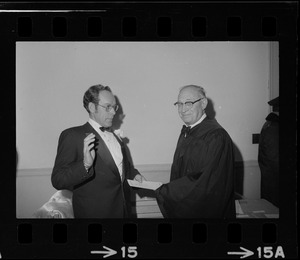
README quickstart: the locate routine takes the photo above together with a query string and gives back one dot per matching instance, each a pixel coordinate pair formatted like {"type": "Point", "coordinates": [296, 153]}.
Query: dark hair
{"type": "Point", "coordinates": [92, 94]}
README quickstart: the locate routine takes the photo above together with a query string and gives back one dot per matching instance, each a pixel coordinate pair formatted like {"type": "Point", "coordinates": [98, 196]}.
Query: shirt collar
{"type": "Point", "coordinates": [94, 124]}
{"type": "Point", "coordinates": [199, 121]}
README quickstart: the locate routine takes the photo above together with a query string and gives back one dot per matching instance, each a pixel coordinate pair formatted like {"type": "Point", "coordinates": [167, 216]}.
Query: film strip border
{"type": "Point", "coordinates": [149, 238]}
{"type": "Point", "coordinates": [157, 239]}
{"type": "Point", "coordinates": [184, 21]}
{"type": "Point", "coordinates": [164, 233]}
{"type": "Point", "coordinates": [130, 27]}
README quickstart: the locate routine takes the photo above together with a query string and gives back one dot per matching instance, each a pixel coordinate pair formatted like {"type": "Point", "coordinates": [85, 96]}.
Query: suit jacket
{"type": "Point", "coordinates": [202, 175]}
{"type": "Point", "coordinates": [99, 193]}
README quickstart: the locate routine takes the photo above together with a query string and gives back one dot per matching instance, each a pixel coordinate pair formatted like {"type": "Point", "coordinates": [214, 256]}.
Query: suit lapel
{"type": "Point", "coordinates": [103, 151]}
{"type": "Point", "coordinates": [125, 160]}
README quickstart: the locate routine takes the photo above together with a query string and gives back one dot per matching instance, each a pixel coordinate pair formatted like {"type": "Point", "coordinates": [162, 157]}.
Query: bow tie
{"type": "Point", "coordinates": [103, 129]}
{"type": "Point", "coordinates": [185, 130]}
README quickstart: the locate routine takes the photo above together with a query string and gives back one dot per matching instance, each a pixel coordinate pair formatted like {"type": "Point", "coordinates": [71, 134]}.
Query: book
{"type": "Point", "coordinates": [150, 185]}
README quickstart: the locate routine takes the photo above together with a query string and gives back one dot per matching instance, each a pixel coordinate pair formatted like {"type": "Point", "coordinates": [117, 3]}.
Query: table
{"type": "Point", "coordinates": [255, 208]}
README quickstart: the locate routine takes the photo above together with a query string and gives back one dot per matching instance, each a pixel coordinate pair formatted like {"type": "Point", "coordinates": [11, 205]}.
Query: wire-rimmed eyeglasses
{"type": "Point", "coordinates": [187, 104]}
{"type": "Point", "coordinates": [109, 108]}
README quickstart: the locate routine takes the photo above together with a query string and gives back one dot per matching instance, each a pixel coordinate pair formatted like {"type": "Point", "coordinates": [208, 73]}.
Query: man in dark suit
{"type": "Point", "coordinates": [268, 155]}
{"type": "Point", "coordinates": [92, 162]}
{"type": "Point", "coordinates": [202, 173]}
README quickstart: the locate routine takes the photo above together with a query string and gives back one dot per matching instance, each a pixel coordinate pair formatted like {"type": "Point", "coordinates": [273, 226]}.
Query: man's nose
{"type": "Point", "coordinates": [113, 111]}
{"type": "Point", "coordinates": [184, 109]}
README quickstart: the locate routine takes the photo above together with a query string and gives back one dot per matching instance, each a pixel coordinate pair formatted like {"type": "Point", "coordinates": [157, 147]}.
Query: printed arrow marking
{"type": "Point", "coordinates": [107, 253]}
{"type": "Point", "coordinates": [244, 254]}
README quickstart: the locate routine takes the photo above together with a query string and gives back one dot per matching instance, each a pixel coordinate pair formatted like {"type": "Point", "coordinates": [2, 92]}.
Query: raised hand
{"type": "Point", "coordinates": [89, 150]}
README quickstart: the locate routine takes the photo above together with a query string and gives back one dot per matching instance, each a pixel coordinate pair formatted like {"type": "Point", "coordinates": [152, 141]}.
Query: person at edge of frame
{"type": "Point", "coordinates": [268, 155]}
{"type": "Point", "coordinates": [202, 173]}
{"type": "Point", "coordinates": [92, 162]}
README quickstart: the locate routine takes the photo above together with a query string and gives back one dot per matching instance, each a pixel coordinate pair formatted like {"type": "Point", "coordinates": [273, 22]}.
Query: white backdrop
{"type": "Point", "coordinates": [51, 78]}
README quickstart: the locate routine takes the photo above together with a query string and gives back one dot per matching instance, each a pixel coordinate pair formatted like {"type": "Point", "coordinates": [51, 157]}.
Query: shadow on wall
{"type": "Point", "coordinates": [239, 164]}
{"type": "Point", "coordinates": [210, 110]}
{"type": "Point", "coordinates": [117, 123]}
{"type": "Point", "coordinates": [119, 116]}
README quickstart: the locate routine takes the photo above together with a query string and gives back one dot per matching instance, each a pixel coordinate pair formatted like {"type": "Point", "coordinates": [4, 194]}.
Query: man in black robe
{"type": "Point", "coordinates": [268, 155]}
{"type": "Point", "coordinates": [202, 173]}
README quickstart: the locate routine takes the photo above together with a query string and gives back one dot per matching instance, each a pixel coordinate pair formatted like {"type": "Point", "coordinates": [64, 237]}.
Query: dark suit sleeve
{"type": "Point", "coordinates": [132, 172]}
{"type": "Point", "coordinates": [68, 169]}
{"type": "Point", "coordinates": [205, 188]}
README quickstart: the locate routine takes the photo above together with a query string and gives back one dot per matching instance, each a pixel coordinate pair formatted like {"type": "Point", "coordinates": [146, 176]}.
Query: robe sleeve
{"type": "Point", "coordinates": [205, 186]}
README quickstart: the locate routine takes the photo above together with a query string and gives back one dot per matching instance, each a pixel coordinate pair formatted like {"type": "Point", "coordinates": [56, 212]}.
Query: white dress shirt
{"type": "Point", "coordinates": [199, 121]}
{"type": "Point", "coordinates": [112, 144]}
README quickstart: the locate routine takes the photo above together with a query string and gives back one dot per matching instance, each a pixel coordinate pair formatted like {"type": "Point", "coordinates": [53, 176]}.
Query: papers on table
{"type": "Point", "coordinates": [150, 185]}
{"type": "Point", "coordinates": [238, 208]}
{"type": "Point", "coordinates": [255, 208]}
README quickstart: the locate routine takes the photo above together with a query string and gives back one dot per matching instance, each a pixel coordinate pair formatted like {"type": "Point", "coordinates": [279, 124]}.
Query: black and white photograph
{"type": "Point", "coordinates": [148, 130]}
{"type": "Point", "coordinates": [109, 130]}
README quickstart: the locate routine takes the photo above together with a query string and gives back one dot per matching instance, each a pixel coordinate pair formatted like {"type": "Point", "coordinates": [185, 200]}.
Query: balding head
{"type": "Point", "coordinates": [189, 110]}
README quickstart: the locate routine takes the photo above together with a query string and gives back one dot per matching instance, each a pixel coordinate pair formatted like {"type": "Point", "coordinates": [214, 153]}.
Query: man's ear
{"type": "Point", "coordinates": [92, 107]}
{"type": "Point", "coordinates": [204, 103]}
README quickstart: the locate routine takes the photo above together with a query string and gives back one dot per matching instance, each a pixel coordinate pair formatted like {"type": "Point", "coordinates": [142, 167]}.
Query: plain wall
{"type": "Point", "coordinates": [52, 77]}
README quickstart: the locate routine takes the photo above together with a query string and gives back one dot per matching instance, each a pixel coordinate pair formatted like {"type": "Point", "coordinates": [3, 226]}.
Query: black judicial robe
{"type": "Point", "coordinates": [202, 175]}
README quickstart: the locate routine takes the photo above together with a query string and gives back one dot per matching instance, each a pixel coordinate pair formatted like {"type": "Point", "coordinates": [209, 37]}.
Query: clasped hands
{"type": "Point", "coordinates": [89, 155]}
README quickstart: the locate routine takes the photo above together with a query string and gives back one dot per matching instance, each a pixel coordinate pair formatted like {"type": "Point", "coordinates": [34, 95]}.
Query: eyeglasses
{"type": "Point", "coordinates": [187, 104]}
{"type": "Point", "coordinates": [109, 108]}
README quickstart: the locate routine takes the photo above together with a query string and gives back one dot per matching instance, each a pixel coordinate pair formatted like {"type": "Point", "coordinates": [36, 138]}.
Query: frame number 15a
{"type": "Point", "coordinates": [270, 252]}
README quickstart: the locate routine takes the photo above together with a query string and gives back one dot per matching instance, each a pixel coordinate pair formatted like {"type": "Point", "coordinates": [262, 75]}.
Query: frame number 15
{"type": "Point", "coordinates": [130, 251]}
